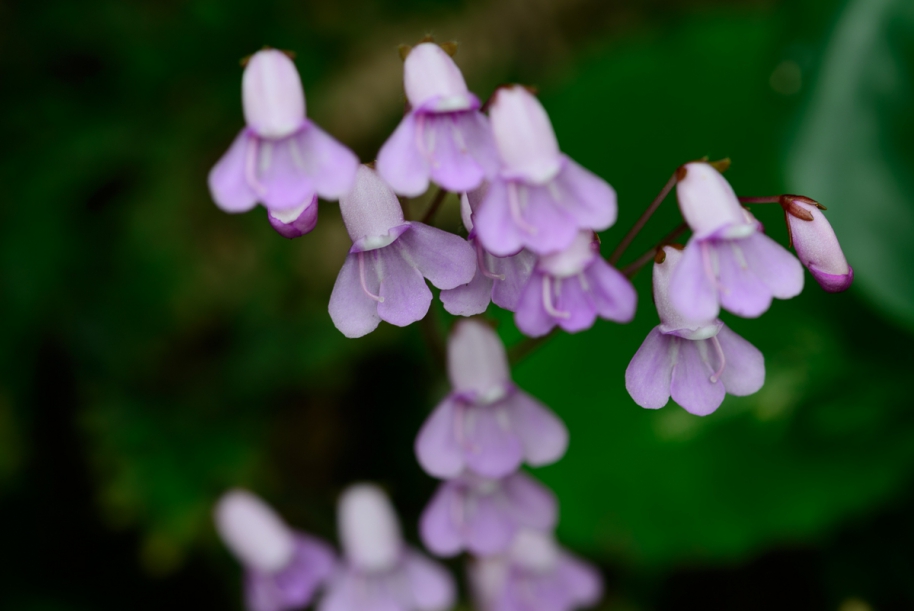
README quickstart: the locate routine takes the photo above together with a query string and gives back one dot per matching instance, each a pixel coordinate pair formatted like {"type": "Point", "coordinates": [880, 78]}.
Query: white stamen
{"type": "Point", "coordinates": [547, 301]}
{"type": "Point", "coordinates": [377, 298]}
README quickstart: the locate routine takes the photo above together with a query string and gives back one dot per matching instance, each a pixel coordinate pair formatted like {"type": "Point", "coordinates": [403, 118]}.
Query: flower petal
{"type": "Point", "coordinates": [581, 580]}
{"type": "Point", "coordinates": [741, 291]}
{"type": "Point", "coordinates": [494, 224]}
{"type": "Point", "coordinates": [691, 384]}
{"type": "Point", "coordinates": [296, 222]}
{"type": "Point", "coordinates": [516, 269]}
{"type": "Point", "coordinates": [468, 299]}
{"type": "Point", "coordinates": [447, 260]}
{"type": "Point", "coordinates": [542, 433]}
{"type": "Point", "coordinates": [692, 289]}
{"type": "Point", "coordinates": [329, 165]}
{"type": "Point", "coordinates": [488, 528]}
{"type": "Point", "coordinates": [430, 584]}
{"type": "Point", "coordinates": [283, 172]}
{"type": "Point", "coordinates": [648, 375]}
{"type": "Point", "coordinates": [779, 270]}
{"type": "Point", "coordinates": [437, 528]}
{"type": "Point", "coordinates": [614, 296]}
{"type": "Point", "coordinates": [405, 294]}
{"type": "Point", "coordinates": [745, 370]}
{"type": "Point", "coordinates": [576, 302]}
{"type": "Point", "coordinates": [227, 180]}
{"type": "Point", "coordinates": [531, 503]}
{"type": "Point", "coordinates": [452, 164]}
{"type": "Point", "coordinates": [586, 197]}
{"type": "Point", "coordinates": [353, 312]}
{"type": "Point", "coordinates": [531, 317]}
{"type": "Point", "coordinates": [554, 228]}
{"type": "Point", "coordinates": [437, 449]}
{"type": "Point", "coordinates": [400, 163]}
{"type": "Point", "coordinates": [492, 448]}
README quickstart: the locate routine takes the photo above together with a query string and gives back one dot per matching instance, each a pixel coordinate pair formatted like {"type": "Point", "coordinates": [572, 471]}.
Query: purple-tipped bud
{"type": "Point", "coordinates": [477, 362]}
{"type": "Point", "coordinates": [369, 529]}
{"type": "Point", "coordinates": [296, 222]}
{"type": "Point", "coordinates": [709, 204]}
{"type": "Point", "coordinates": [818, 247]}
{"type": "Point", "coordinates": [433, 81]}
{"type": "Point", "coordinates": [524, 135]}
{"type": "Point", "coordinates": [672, 321]}
{"type": "Point", "coordinates": [253, 532]}
{"type": "Point", "coordinates": [370, 210]}
{"type": "Point", "coordinates": [272, 94]}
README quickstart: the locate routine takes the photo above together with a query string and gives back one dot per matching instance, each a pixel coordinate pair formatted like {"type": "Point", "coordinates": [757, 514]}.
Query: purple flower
{"type": "Point", "coordinates": [534, 575]}
{"type": "Point", "coordinates": [696, 361]}
{"type": "Point", "coordinates": [816, 244]}
{"type": "Point", "coordinates": [444, 136]}
{"type": "Point", "coordinates": [499, 279]}
{"type": "Point", "coordinates": [728, 261]}
{"type": "Point", "coordinates": [283, 568]}
{"type": "Point", "coordinates": [280, 159]}
{"type": "Point", "coordinates": [380, 573]}
{"type": "Point", "coordinates": [382, 277]}
{"type": "Point", "coordinates": [486, 424]}
{"type": "Point", "coordinates": [482, 515]}
{"type": "Point", "coordinates": [571, 288]}
{"type": "Point", "coordinates": [541, 198]}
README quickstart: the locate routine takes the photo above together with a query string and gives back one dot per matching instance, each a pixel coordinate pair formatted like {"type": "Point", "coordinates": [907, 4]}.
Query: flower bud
{"type": "Point", "coordinates": [272, 94]}
{"type": "Point", "coordinates": [572, 260]}
{"type": "Point", "coordinates": [818, 247]}
{"type": "Point", "coordinates": [371, 210]}
{"type": "Point", "coordinates": [672, 321]}
{"type": "Point", "coordinates": [369, 529]}
{"type": "Point", "coordinates": [296, 222]}
{"type": "Point", "coordinates": [477, 361]}
{"type": "Point", "coordinates": [433, 81]}
{"type": "Point", "coordinates": [524, 135]}
{"type": "Point", "coordinates": [708, 202]}
{"type": "Point", "coordinates": [253, 532]}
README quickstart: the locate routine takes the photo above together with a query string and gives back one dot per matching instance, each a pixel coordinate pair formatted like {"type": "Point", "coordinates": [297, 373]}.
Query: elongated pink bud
{"type": "Point", "coordinates": [371, 210]}
{"type": "Point", "coordinates": [272, 94]}
{"type": "Point", "coordinates": [369, 529]}
{"type": "Point", "coordinates": [433, 81]}
{"type": "Point", "coordinates": [818, 248]}
{"type": "Point", "coordinates": [709, 204]}
{"type": "Point", "coordinates": [524, 135]}
{"type": "Point", "coordinates": [477, 361]}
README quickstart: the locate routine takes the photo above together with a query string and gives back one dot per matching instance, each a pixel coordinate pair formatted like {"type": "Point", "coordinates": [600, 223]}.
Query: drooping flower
{"type": "Point", "coordinates": [283, 567]}
{"type": "Point", "coordinates": [380, 572]}
{"type": "Point", "coordinates": [497, 279]}
{"type": "Point", "coordinates": [816, 244]}
{"type": "Point", "coordinates": [280, 159]}
{"type": "Point", "coordinates": [697, 361]}
{"type": "Point", "coordinates": [486, 425]}
{"type": "Point", "coordinates": [571, 288]}
{"type": "Point", "coordinates": [540, 198]}
{"type": "Point", "coordinates": [383, 277]}
{"type": "Point", "coordinates": [444, 136]}
{"type": "Point", "coordinates": [536, 574]}
{"type": "Point", "coordinates": [728, 261]}
{"type": "Point", "coordinates": [482, 515]}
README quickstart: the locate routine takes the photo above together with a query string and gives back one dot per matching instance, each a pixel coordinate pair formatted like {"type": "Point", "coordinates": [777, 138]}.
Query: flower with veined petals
{"type": "Point", "coordinates": [380, 572]}
{"type": "Point", "coordinates": [486, 424]}
{"type": "Point", "coordinates": [571, 288]}
{"type": "Point", "coordinates": [482, 515]}
{"type": "Point", "coordinates": [535, 574]}
{"type": "Point", "coordinates": [816, 244]}
{"type": "Point", "coordinates": [728, 261]}
{"type": "Point", "coordinates": [280, 159]}
{"type": "Point", "coordinates": [283, 567]}
{"type": "Point", "coordinates": [444, 136]}
{"type": "Point", "coordinates": [697, 361]}
{"type": "Point", "coordinates": [541, 198]}
{"type": "Point", "coordinates": [383, 277]}
{"type": "Point", "coordinates": [497, 279]}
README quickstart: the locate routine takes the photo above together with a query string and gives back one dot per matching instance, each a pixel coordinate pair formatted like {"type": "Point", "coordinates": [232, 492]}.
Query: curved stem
{"type": "Point", "coordinates": [631, 269]}
{"type": "Point", "coordinates": [639, 224]}
{"type": "Point", "coordinates": [433, 207]}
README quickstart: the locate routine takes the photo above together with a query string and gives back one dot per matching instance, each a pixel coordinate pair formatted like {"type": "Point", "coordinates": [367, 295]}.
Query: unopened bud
{"type": "Point", "coordinates": [816, 244]}
{"type": "Point", "coordinates": [477, 361]}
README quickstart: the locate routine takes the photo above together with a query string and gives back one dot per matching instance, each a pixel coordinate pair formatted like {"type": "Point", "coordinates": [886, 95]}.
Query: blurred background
{"type": "Point", "coordinates": [156, 351]}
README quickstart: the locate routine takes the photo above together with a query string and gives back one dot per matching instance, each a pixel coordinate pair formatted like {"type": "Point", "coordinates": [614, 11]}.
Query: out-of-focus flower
{"type": "Point", "coordinates": [728, 261]}
{"type": "Point", "coordinates": [280, 159]}
{"type": "Point", "coordinates": [571, 288]}
{"type": "Point", "coordinates": [486, 424]}
{"type": "Point", "coordinates": [497, 279]}
{"type": "Point", "coordinates": [535, 574]}
{"type": "Point", "coordinates": [383, 277]}
{"type": "Point", "coordinates": [283, 567]}
{"type": "Point", "coordinates": [444, 136]}
{"type": "Point", "coordinates": [697, 361]}
{"type": "Point", "coordinates": [540, 198]}
{"type": "Point", "coordinates": [482, 515]}
{"type": "Point", "coordinates": [816, 244]}
{"type": "Point", "coordinates": [380, 572]}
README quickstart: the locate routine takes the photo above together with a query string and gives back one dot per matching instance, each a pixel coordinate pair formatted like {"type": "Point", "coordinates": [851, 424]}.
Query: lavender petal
{"type": "Point", "coordinates": [400, 163]}
{"type": "Point", "coordinates": [227, 182]}
{"type": "Point", "coordinates": [353, 312]}
{"type": "Point", "coordinates": [744, 373]}
{"type": "Point", "coordinates": [691, 385]}
{"type": "Point", "coordinates": [447, 260]}
{"type": "Point", "coordinates": [649, 374]}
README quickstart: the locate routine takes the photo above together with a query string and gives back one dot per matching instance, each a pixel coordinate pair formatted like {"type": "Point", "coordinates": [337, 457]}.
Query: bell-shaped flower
{"type": "Point", "coordinates": [379, 571]}
{"type": "Point", "coordinates": [540, 198]}
{"type": "Point", "coordinates": [497, 279]}
{"type": "Point", "coordinates": [696, 361]}
{"type": "Point", "coordinates": [486, 425]}
{"type": "Point", "coordinates": [728, 261]}
{"type": "Point", "coordinates": [816, 244]}
{"type": "Point", "coordinates": [283, 567]}
{"type": "Point", "coordinates": [571, 288]}
{"type": "Point", "coordinates": [443, 136]}
{"type": "Point", "coordinates": [482, 515]}
{"type": "Point", "coordinates": [535, 574]}
{"type": "Point", "coordinates": [383, 277]}
{"type": "Point", "coordinates": [280, 159]}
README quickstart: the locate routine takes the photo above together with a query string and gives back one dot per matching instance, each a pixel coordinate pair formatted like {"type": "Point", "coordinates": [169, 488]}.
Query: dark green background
{"type": "Point", "coordinates": [156, 351]}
